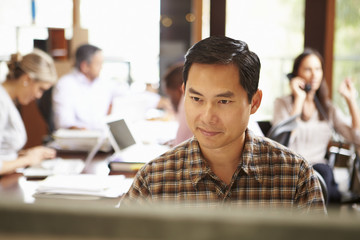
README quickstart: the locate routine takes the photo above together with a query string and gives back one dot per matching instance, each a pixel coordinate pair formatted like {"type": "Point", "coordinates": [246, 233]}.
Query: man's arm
{"type": "Point", "coordinates": [309, 197]}
{"type": "Point", "coordinates": [138, 193]}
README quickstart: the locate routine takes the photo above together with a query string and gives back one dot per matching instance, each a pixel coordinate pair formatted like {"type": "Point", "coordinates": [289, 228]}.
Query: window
{"type": "Point", "coordinates": [346, 48]}
{"type": "Point", "coordinates": [273, 29]}
{"type": "Point", "coordinates": [126, 31]}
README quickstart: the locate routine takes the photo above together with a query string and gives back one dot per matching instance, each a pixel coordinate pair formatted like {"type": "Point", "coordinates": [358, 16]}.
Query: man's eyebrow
{"type": "Point", "coordinates": [193, 91]}
{"type": "Point", "coordinates": [227, 94]}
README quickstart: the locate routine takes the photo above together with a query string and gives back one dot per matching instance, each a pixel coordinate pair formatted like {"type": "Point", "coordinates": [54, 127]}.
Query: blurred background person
{"type": "Point", "coordinates": [317, 118]}
{"type": "Point", "coordinates": [81, 99]}
{"type": "Point", "coordinates": [28, 78]}
{"type": "Point", "coordinates": [173, 81]}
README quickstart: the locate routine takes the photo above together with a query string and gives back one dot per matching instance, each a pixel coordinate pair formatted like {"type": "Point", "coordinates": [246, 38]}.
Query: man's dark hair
{"type": "Point", "coordinates": [225, 50]}
{"type": "Point", "coordinates": [85, 53]}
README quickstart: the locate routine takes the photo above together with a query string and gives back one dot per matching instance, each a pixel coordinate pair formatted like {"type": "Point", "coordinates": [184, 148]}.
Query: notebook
{"type": "Point", "coordinates": [61, 166]}
{"type": "Point", "coordinates": [130, 154]}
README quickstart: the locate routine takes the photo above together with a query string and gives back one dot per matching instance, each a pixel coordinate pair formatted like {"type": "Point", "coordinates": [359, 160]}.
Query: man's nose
{"type": "Point", "coordinates": [209, 113]}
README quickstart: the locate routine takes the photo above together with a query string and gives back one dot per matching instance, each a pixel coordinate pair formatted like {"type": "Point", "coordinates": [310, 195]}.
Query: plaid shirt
{"type": "Point", "coordinates": [269, 176]}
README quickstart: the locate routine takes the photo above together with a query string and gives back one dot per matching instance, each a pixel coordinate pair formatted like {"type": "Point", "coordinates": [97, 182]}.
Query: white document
{"type": "Point", "coordinates": [109, 186]}
{"type": "Point", "coordinates": [55, 166]}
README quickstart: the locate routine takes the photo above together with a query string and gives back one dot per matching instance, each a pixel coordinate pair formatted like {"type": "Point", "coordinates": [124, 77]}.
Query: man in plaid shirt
{"type": "Point", "coordinates": [225, 163]}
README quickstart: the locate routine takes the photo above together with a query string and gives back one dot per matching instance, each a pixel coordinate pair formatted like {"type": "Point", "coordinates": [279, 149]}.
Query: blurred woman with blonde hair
{"type": "Point", "coordinates": [28, 78]}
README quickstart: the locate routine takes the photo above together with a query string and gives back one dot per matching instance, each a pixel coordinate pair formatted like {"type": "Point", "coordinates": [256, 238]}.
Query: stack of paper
{"type": "Point", "coordinates": [111, 186]}
{"type": "Point", "coordinates": [78, 140]}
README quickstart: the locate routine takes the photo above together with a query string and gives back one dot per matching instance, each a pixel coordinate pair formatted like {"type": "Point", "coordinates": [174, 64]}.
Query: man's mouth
{"type": "Point", "coordinates": [208, 133]}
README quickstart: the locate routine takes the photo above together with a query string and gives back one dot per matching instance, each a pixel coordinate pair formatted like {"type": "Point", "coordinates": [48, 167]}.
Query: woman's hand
{"type": "Point", "coordinates": [297, 86]}
{"type": "Point", "coordinates": [347, 90]}
{"type": "Point", "coordinates": [37, 154]}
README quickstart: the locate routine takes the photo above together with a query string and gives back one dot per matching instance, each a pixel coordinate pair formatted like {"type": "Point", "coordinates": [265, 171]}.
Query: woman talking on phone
{"type": "Point", "coordinates": [29, 76]}
{"type": "Point", "coordinates": [317, 119]}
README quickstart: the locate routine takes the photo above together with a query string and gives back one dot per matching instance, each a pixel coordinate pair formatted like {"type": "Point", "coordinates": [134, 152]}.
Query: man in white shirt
{"type": "Point", "coordinates": [81, 99]}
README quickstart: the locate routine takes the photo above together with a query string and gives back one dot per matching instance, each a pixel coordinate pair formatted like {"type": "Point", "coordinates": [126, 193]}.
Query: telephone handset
{"type": "Point", "coordinates": [307, 87]}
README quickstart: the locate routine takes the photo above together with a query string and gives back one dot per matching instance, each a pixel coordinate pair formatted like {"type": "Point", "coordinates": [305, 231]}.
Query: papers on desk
{"type": "Point", "coordinates": [55, 166]}
{"type": "Point", "coordinates": [111, 186]}
{"type": "Point", "coordinates": [78, 140]}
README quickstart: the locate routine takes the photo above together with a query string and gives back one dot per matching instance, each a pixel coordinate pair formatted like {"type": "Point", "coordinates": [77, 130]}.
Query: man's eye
{"type": "Point", "coordinates": [224, 101]}
{"type": "Point", "coordinates": [196, 99]}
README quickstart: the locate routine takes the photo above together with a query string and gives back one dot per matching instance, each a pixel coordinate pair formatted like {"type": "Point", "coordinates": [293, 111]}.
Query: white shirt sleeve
{"type": "Point", "coordinates": [12, 130]}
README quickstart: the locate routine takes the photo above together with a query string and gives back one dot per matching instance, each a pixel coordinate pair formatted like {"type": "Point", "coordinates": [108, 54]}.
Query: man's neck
{"type": "Point", "coordinates": [224, 161]}
{"type": "Point", "coordinates": [86, 75]}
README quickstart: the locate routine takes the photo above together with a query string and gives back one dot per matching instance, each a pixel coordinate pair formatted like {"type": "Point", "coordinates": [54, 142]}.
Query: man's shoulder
{"type": "Point", "coordinates": [66, 79]}
{"type": "Point", "coordinates": [266, 150]}
{"type": "Point", "coordinates": [72, 76]}
{"type": "Point", "coordinates": [271, 160]}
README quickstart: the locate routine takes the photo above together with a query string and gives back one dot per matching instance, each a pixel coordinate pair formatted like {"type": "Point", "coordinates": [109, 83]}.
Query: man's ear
{"type": "Point", "coordinates": [256, 101]}
{"type": "Point", "coordinates": [183, 88]}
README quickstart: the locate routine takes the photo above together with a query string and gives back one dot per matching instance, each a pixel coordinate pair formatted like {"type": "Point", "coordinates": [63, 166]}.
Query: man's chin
{"type": "Point", "coordinates": [208, 142]}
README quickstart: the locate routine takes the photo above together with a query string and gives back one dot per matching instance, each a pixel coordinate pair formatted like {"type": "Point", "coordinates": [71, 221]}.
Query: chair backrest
{"type": "Point", "coordinates": [323, 186]}
{"type": "Point", "coordinates": [281, 131]}
{"type": "Point", "coordinates": [355, 175]}
{"type": "Point", "coordinates": [265, 126]}
{"type": "Point", "coordinates": [45, 107]}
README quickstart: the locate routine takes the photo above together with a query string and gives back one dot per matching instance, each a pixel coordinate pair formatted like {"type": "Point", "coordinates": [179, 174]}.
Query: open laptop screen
{"type": "Point", "coordinates": [121, 134]}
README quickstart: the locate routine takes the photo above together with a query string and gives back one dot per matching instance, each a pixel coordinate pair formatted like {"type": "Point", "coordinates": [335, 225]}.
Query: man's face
{"type": "Point", "coordinates": [92, 70]}
{"type": "Point", "coordinates": [216, 105]}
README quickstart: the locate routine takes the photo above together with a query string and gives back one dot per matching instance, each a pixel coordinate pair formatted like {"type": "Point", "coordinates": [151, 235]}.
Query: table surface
{"type": "Point", "coordinates": [16, 187]}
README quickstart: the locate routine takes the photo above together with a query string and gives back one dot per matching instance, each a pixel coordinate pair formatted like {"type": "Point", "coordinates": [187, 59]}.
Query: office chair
{"type": "Point", "coordinates": [45, 108]}
{"type": "Point", "coordinates": [281, 132]}
{"type": "Point", "coordinates": [264, 126]}
{"type": "Point", "coordinates": [323, 186]}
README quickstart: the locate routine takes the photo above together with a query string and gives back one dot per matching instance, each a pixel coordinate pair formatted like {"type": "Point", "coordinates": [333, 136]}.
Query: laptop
{"type": "Point", "coordinates": [127, 148]}
{"type": "Point", "coordinates": [62, 166]}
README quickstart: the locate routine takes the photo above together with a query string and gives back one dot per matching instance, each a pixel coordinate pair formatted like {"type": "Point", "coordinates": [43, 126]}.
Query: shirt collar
{"type": "Point", "coordinates": [249, 164]}
{"type": "Point", "coordinates": [82, 78]}
{"type": "Point", "coordinates": [197, 165]}
{"type": "Point", "coordinates": [251, 155]}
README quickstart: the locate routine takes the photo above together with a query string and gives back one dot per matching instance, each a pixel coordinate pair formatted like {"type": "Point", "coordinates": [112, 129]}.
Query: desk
{"type": "Point", "coordinates": [72, 219]}
{"type": "Point", "coordinates": [15, 187]}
